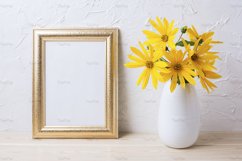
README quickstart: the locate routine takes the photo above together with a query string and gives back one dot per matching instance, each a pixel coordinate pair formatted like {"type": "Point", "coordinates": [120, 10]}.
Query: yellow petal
{"type": "Point", "coordinates": [146, 79]}
{"type": "Point", "coordinates": [171, 25]}
{"type": "Point", "coordinates": [161, 26]}
{"type": "Point", "coordinates": [169, 56]}
{"type": "Point", "coordinates": [209, 67]}
{"type": "Point", "coordinates": [212, 52]}
{"type": "Point", "coordinates": [161, 64]}
{"type": "Point", "coordinates": [141, 77]}
{"type": "Point", "coordinates": [182, 81]}
{"type": "Point", "coordinates": [191, 34]}
{"type": "Point", "coordinates": [212, 75]}
{"type": "Point", "coordinates": [138, 53]}
{"type": "Point", "coordinates": [173, 32]}
{"type": "Point", "coordinates": [165, 77]}
{"type": "Point", "coordinates": [187, 47]}
{"type": "Point", "coordinates": [207, 41]}
{"type": "Point", "coordinates": [207, 35]}
{"type": "Point", "coordinates": [209, 57]}
{"type": "Point", "coordinates": [179, 56]}
{"type": "Point", "coordinates": [188, 78]}
{"type": "Point", "coordinates": [173, 82]}
{"type": "Point", "coordinates": [196, 44]}
{"type": "Point", "coordinates": [171, 44]}
{"type": "Point", "coordinates": [157, 55]}
{"type": "Point", "coordinates": [204, 48]}
{"type": "Point", "coordinates": [151, 51]}
{"type": "Point", "coordinates": [200, 73]}
{"type": "Point", "coordinates": [216, 42]}
{"type": "Point", "coordinates": [210, 84]}
{"type": "Point", "coordinates": [164, 70]}
{"type": "Point", "coordinates": [150, 34]}
{"type": "Point", "coordinates": [157, 74]}
{"type": "Point", "coordinates": [133, 65]}
{"type": "Point", "coordinates": [190, 71]}
{"type": "Point", "coordinates": [144, 50]}
{"type": "Point", "coordinates": [204, 85]}
{"type": "Point", "coordinates": [156, 26]}
{"type": "Point", "coordinates": [154, 78]}
{"type": "Point", "coordinates": [160, 47]}
{"type": "Point", "coordinates": [195, 31]}
{"type": "Point", "coordinates": [134, 58]}
{"type": "Point", "coordinates": [207, 84]}
{"type": "Point", "coordinates": [166, 25]}
{"type": "Point", "coordinates": [155, 41]}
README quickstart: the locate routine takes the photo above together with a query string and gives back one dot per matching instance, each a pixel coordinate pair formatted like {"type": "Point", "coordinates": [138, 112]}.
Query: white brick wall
{"type": "Point", "coordinates": [221, 110]}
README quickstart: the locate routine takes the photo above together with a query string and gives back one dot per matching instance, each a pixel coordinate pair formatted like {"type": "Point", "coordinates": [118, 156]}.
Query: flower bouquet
{"type": "Point", "coordinates": [180, 61]}
{"type": "Point", "coordinates": [177, 60]}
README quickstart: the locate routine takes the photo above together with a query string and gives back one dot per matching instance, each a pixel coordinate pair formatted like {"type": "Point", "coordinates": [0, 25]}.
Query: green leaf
{"type": "Point", "coordinates": [178, 81]}
{"type": "Point", "coordinates": [190, 42]}
{"type": "Point", "coordinates": [200, 42]}
{"type": "Point", "coordinates": [180, 43]}
{"type": "Point", "coordinates": [163, 59]}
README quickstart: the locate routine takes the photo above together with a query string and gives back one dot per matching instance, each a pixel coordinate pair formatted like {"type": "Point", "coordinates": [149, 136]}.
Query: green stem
{"type": "Point", "coordinates": [179, 38]}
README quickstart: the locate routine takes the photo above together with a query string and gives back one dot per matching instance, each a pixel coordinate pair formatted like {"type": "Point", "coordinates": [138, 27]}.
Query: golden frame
{"type": "Point", "coordinates": [40, 36]}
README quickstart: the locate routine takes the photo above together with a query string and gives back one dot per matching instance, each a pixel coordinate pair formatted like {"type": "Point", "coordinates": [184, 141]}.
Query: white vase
{"type": "Point", "coordinates": [179, 116]}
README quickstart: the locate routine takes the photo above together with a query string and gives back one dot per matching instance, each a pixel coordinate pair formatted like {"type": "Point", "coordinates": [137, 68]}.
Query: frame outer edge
{"type": "Point", "coordinates": [36, 86]}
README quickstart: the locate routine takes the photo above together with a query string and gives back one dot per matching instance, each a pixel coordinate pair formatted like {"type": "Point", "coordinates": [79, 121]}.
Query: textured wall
{"type": "Point", "coordinates": [221, 110]}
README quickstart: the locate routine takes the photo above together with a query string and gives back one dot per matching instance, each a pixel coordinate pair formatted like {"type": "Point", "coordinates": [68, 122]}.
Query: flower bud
{"type": "Point", "coordinates": [184, 29]}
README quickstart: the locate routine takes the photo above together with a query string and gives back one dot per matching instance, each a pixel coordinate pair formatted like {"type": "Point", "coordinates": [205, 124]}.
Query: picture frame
{"type": "Point", "coordinates": [75, 83]}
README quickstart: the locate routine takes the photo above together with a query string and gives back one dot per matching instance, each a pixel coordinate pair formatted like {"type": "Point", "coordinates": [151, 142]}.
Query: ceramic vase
{"type": "Point", "coordinates": [179, 116]}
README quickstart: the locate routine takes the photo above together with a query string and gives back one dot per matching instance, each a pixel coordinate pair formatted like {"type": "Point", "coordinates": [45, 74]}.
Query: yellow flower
{"type": "Point", "coordinates": [208, 85]}
{"type": "Point", "coordinates": [194, 36]}
{"type": "Point", "coordinates": [179, 69]}
{"type": "Point", "coordinates": [203, 61]}
{"type": "Point", "coordinates": [148, 59]}
{"type": "Point", "coordinates": [164, 36]}
{"type": "Point", "coordinates": [200, 57]}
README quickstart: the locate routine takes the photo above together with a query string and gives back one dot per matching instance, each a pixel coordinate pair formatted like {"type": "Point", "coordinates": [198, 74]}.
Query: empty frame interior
{"type": "Point", "coordinates": [72, 87]}
{"type": "Point", "coordinates": [74, 83]}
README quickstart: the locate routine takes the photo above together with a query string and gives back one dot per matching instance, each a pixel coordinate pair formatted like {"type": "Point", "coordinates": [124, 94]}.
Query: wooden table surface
{"type": "Point", "coordinates": [129, 147]}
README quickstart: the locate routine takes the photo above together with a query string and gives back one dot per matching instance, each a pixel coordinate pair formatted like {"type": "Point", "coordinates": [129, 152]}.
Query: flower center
{"type": "Point", "coordinates": [164, 38]}
{"type": "Point", "coordinates": [194, 57]}
{"type": "Point", "coordinates": [177, 67]}
{"type": "Point", "coordinates": [149, 64]}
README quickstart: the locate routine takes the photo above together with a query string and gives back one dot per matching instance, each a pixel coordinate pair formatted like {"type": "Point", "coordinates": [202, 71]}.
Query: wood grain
{"type": "Point", "coordinates": [130, 147]}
